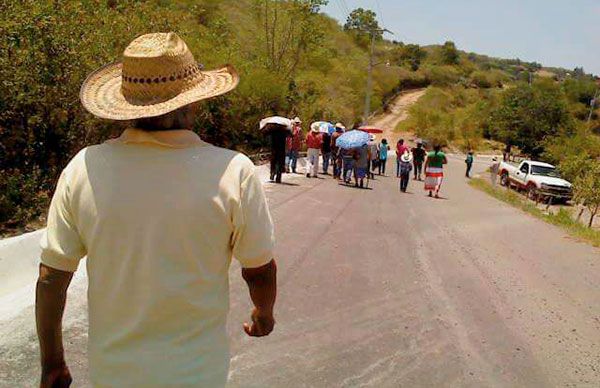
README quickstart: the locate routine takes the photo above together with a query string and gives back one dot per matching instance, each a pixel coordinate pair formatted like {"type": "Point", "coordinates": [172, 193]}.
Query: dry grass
{"type": "Point", "coordinates": [562, 218]}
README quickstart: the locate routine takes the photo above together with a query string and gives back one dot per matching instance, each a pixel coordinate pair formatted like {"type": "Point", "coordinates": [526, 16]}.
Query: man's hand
{"type": "Point", "coordinates": [262, 324]}
{"type": "Point", "coordinates": [262, 284]}
{"type": "Point", "coordinates": [58, 377]}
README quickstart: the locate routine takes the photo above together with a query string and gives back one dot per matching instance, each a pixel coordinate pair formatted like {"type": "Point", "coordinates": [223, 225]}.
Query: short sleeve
{"type": "Point", "coordinates": [253, 236]}
{"type": "Point", "coordinates": [61, 243]}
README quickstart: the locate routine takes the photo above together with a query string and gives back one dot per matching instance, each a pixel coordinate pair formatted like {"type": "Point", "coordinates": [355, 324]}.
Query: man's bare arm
{"type": "Point", "coordinates": [51, 295]}
{"type": "Point", "coordinates": [262, 284]}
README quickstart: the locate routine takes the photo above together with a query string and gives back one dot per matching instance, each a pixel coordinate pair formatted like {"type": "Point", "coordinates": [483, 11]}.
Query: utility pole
{"type": "Point", "coordinates": [593, 105]}
{"type": "Point", "coordinates": [369, 80]}
{"type": "Point", "coordinates": [370, 73]}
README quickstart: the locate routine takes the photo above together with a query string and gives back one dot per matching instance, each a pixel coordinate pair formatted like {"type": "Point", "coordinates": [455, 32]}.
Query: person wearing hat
{"type": "Point", "coordinates": [159, 213]}
{"type": "Point", "coordinates": [294, 145]}
{"type": "Point", "coordinates": [405, 169]}
{"type": "Point", "coordinates": [400, 149]}
{"type": "Point", "coordinates": [313, 145]}
{"type": "Point", "coordinates": [336, 159]}
{"type": "Point", "coordinates": [279, 130]}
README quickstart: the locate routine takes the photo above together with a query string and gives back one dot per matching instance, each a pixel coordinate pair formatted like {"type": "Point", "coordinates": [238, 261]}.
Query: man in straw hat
{"type": "Point", "coordinates": [314, 141]}
{"type": "Point", "coordinates": [294, 144]}
{"type": "Point", "coordinates": [159, 214]}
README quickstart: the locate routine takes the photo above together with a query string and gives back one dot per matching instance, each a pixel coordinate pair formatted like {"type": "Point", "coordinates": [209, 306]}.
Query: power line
{"type": "Point", "coordinates": [343, 2]}
{"type": "Point", "coordinates": [344, 10]}
{"type": "Point", "coordinates": [380, 14]}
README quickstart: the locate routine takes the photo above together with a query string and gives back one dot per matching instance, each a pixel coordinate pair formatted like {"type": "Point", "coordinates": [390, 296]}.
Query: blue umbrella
{"type": "Point", "coordinates": [352, 139]}
{"type": "Point", "coordinates": [330, 128]}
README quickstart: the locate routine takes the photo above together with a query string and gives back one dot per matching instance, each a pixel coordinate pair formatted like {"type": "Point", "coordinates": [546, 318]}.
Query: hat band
{"type": "Point", "coordinates": [182, 74]}
{"type": "Point", "coordinates": [150, 91]}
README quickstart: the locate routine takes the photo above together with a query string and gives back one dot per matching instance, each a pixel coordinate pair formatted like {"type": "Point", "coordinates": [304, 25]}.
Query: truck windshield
{"type": "Point", "coordinates": [545, 171]}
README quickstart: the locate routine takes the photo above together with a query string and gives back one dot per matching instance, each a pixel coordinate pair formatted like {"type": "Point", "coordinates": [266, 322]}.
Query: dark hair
{"type": "Point", "coordinates": [401, 141]}
{"type": "Point", "coordinates": [384, 141]}
{"type": "Point", "coordinates": [182, 118]}
{"type": "Point", "coordinates": [437, 148]}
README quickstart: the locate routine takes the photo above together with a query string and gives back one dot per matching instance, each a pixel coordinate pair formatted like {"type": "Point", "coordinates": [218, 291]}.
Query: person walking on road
{"type": "Point", "coordinates": [279, 131]}
{"type": "Point", "coordinates": [434, 170]}
{"type": "Point", "coordinates": [347, 156]}
{"type": "Point", "coordinates": [326, 151]}
{"type": "Point", "coordinates": [374, 156]}
{"type": "Point", "coordinates": [383, 155]}
{"type": "Point", "coordinates": [335, 151]}
{"type": "Point", "coordinates": [363, 155]}
{"type": "Point", "coordinates": [418, 159]}
{"type": "Point", "coordinates": [314, 140]}
{"type": "Point", "coordinates": [294, 145]}
{"type": "Point", "coordinates": [469, 163]}
{"type": "Point", "coordinates": [405, 169]}
{"type": "Point", "coordinates": [159, 213]}
{"type": "Point", "coordinates": [400, 149]}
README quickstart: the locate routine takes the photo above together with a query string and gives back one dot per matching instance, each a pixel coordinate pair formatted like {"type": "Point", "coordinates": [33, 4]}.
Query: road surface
{"type": "Point", "coordinates": [384, 289]}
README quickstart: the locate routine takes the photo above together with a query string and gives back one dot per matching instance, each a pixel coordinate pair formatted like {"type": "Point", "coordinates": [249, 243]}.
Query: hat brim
{"type": "Point", "coordinates": [101, 93]}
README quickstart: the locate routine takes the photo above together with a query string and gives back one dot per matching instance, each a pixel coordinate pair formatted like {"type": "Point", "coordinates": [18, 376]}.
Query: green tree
{"type": "Point", "coordinates": [363, 23]}
{"type": "Point", "coordinates": [411, 55]}
{"type": "Point", "coordinates": [528, 115]}
{"type": "Point", "coordinates": [450, 53]}
{"type": "Point", "coordinates": [290, 29]}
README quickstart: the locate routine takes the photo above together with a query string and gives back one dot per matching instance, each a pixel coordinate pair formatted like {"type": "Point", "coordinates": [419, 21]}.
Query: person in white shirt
{"type": "Point", "coordinates": [159, 214]}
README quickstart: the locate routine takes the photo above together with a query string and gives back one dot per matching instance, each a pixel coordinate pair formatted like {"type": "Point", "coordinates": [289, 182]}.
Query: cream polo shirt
{"type": "Point", "coordinates": [159, 216]}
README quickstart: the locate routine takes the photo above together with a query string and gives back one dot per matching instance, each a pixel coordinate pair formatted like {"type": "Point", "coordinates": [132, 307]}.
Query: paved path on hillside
{"type": "Point", "coordinates": [384, 289]}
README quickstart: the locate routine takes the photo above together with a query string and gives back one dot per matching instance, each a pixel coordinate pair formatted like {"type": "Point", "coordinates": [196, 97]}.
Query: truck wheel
{"type": "Point", "coordinates": [532, 192]}
{"type": "Point", "coordinates": [504, 179]}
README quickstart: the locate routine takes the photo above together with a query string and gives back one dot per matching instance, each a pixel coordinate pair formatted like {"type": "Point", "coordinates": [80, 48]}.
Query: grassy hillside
{"type": "Point", "coordinates": [470, 101]}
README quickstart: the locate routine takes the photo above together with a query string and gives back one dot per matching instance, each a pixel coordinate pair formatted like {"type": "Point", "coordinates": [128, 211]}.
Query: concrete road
{"type": "Point", "coordinates": [384, 289]}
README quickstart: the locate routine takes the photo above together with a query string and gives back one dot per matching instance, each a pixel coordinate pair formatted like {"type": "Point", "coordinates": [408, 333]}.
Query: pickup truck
{"type": "Point", "coordinates": [540, 180]}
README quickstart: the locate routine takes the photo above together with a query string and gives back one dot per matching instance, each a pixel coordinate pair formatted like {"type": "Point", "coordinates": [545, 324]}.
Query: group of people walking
{"type": "Point", "coordinates": [350, 164]}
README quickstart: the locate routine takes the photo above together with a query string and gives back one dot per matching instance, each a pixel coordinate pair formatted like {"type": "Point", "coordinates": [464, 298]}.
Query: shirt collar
{"type": "Point", "coordinates": [176, 138]}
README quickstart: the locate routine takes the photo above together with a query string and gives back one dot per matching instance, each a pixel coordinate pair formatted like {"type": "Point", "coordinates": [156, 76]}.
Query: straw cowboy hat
{"type": "Point", "coordinates": [297, 120]}
{"type": "Point", "coordinates": [406, 157]}
{"type": "Point", "coordinates": [158, 75]}
{"type": "Point", "coordinates": [315, 127]}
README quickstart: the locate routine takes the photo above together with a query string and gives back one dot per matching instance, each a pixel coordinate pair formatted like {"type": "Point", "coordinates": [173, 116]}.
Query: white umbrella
{"type": "Point", "coordinates": [284, 121]}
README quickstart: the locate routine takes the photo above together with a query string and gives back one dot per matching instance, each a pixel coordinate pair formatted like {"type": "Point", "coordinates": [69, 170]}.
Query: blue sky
{"type": "Point", "coordinates": [563, 33]}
